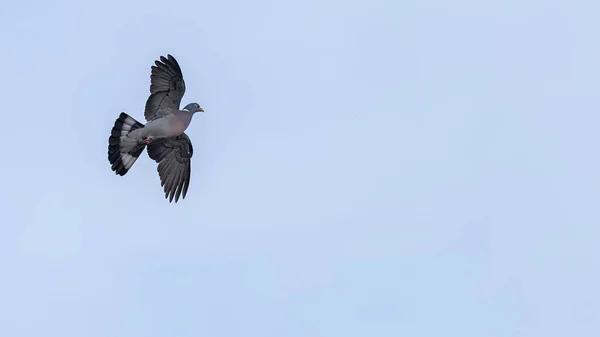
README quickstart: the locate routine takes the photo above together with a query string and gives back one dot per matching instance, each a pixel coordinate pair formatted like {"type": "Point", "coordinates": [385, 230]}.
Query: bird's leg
{"type": "Point", "coordinates": [146, 140]}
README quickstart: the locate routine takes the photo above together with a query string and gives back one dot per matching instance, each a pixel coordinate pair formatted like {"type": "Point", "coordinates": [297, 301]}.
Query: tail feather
{"type": "Point", "coordinates": [122, 150]}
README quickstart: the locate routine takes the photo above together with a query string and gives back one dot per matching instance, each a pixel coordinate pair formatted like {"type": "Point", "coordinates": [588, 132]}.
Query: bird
{"type": "Point", "coordinates": [163, 134]}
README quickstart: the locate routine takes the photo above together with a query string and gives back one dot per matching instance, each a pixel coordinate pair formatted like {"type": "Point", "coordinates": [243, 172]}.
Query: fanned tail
{"type": "Point", "coordinates": [123, 151]}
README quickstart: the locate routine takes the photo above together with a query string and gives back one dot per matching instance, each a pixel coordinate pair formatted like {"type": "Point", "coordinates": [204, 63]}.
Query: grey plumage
{"type": "Point", "coordinates": [163, 133]}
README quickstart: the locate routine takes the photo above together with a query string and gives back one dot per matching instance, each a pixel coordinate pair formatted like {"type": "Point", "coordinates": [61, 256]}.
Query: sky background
{"type": "Point", "coordinates": [363, 168]}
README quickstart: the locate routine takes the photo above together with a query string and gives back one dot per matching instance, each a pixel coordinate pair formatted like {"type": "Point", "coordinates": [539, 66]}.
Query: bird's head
{"type": "Point", "coordinates": [193, 108]}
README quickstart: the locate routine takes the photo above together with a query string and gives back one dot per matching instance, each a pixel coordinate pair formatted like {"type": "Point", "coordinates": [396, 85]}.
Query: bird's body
{"type": "Point", "coordinates": [172, 125]}
{"type": "Point", "coordinates": [163, 133]}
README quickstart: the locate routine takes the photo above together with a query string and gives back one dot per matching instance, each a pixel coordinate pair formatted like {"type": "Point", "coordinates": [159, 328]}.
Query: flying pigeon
{"type": "Point", "coordinates": [163, 133]}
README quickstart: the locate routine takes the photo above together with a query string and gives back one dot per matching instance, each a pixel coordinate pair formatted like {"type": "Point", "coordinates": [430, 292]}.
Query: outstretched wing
{"type": "Point", "coordinates": [173, 156]}
{"type": "Point", "coordinates": [166, 88]}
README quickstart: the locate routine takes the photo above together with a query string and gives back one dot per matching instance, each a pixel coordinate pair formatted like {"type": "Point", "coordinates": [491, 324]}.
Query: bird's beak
{"type": "Point", "coordinates": [201, 110]}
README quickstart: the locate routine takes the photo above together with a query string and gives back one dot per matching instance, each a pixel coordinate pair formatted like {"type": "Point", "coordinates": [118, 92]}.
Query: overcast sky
{"type": "Point", "coordinates": [363, 168]}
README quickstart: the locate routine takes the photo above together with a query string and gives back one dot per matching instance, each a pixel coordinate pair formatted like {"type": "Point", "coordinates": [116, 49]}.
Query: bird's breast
{"type": "Point", "coordinates": [170, 126]}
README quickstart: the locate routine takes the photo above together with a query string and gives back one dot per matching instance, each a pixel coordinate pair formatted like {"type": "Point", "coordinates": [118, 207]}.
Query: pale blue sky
{"type": "Point", "coordinates": [363, 168]}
